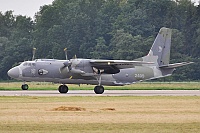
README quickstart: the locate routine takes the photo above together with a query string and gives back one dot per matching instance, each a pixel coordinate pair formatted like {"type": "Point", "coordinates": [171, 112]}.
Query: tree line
{"type": "Point", "coordinates": [103, 29]}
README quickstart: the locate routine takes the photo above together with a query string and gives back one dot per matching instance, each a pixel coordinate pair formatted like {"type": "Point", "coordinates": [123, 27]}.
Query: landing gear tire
{"type": "Point", "coordinates": [99, 89]}
{"type": "Point", "coordinates": [63, 89]}
{"type": "Point", "coordinates": [24, 87]}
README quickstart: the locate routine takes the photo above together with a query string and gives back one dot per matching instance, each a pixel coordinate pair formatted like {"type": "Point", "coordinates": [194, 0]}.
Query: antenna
{"type": "Point", "coordinates": [34, 49]}
{"type": "Point", "coordinates": [65, 50]}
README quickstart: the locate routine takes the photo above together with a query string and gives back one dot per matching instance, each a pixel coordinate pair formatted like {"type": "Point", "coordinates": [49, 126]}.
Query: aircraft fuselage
{"type": "Point", "coordinates": [50, 70]}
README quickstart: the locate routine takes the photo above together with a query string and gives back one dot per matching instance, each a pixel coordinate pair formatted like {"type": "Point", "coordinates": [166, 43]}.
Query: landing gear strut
{"type": "Point", "coordinates": [63, 89]}
{"type": "Point", "coordinates": [99, 89]}
{"type": "Point", "coordinates": [24, 87]}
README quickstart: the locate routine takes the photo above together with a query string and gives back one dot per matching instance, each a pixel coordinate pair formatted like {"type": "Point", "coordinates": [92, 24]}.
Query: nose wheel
{"type": "Point", "coordinates": [63, 89]}
{"type": "Point", "coordinates": [99, 89]}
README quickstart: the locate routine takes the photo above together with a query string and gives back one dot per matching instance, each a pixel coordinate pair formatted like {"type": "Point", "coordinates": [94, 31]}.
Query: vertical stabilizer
{"type": "Point", "coordinates": [161, 46]}
{"type": "Point", "coordinates": [160, 50]}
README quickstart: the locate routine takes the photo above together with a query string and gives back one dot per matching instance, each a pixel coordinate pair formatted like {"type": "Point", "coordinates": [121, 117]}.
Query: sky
{"type": "Point", "coordinates": [26, 7]}
{"type": "Point", "coordinates": [23, 7]}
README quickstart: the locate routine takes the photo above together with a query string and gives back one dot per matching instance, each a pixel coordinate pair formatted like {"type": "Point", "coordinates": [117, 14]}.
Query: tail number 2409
{"type": "Point", "coordinates": [139, 75]}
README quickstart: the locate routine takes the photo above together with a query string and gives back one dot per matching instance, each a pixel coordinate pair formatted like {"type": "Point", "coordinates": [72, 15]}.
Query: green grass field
{"type": "Point", "coordinates": [138, 86]}
{"type": "Point", "coordinates": [157, 114]}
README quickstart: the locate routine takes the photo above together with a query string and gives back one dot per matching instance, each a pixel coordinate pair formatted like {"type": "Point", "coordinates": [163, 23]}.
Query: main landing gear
{"type": "Point", "coordinates": [63, 89]}
{"type": "Point", "coordinates": [24, 87]}
{"type": "Point", "coordinates": [99, 89]}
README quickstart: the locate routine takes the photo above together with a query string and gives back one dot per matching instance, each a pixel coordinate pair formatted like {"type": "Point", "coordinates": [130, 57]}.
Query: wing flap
{"type": "Point", "coordinates": [175, 65]}
{"type": "Point", "coordinates": [114, 66]}
{"type": "Point", "coordinates": [120, 64]}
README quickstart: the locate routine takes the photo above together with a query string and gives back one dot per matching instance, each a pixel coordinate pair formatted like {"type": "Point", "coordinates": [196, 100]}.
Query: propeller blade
{"type": "Point", "coordinates": [34, 50]}
{"type": "Point", "coordinates": [65, 50]}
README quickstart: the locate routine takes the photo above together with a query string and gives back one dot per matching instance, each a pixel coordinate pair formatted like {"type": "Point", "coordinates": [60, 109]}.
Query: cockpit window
{"type": "Point", "coordinates": [25, 64]}
{"type": "Point", "coordinates": [28, 64]}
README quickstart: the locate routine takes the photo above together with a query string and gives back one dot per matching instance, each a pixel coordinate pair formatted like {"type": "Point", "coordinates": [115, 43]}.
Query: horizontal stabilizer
{"type": "Point", "coordinates": [176, 65]}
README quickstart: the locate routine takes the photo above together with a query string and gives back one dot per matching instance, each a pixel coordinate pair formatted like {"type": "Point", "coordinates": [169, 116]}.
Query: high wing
{"type": "Point", "coordinates": [114, 66]}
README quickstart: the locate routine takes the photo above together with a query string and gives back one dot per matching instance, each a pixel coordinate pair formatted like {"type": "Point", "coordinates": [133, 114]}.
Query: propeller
{"type": "Point", "coordinates": [34, 50]}
{"type": "Point", "coordinates": [66, 65]}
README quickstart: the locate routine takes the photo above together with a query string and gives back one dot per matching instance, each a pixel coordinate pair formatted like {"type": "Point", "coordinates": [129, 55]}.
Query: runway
{"type": "Point", "coordinates": [106, 93]}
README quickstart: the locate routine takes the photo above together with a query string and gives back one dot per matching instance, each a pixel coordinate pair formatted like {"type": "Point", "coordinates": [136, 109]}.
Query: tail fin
{"type": "Point", "coordinates": [160, 50]}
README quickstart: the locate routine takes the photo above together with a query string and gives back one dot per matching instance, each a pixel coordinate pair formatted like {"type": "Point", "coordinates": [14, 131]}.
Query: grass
{"type": "Point", "coordinates": [138, 86]}
{"type": "Point", "coordinates": [157, 114]}
{"type": "Point", "coordinates": [105, 128]}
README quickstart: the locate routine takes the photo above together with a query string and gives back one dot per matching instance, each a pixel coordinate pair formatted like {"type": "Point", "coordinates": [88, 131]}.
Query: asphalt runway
{"type": "Point", "coordinates": [106, 93]}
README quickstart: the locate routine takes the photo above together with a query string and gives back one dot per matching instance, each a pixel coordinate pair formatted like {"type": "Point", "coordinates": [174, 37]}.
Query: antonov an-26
{"type": "Point", "coordinates": [101, 72]}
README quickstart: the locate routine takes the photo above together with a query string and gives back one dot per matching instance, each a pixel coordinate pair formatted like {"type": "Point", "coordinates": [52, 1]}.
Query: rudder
{"type": "Point", "coordinates": [160, 50]}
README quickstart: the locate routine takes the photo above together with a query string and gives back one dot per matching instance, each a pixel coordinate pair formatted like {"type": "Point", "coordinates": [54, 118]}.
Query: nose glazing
{"type": "Point", "coordinates": [14, 72]}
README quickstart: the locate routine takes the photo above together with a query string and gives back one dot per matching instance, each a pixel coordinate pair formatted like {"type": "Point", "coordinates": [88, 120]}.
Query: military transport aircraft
{"type": "Point", "coordinates": [101, 72]}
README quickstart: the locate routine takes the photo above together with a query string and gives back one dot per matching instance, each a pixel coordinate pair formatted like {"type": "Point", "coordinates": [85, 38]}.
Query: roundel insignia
{"type": "Point", "coordinates": [42, 72]}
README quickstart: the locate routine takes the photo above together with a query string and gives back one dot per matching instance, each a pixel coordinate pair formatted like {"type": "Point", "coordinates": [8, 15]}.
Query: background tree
{"type": "Point", "coordinates": [104, 29]}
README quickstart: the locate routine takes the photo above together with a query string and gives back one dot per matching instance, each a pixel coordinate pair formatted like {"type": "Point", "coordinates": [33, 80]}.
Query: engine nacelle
{"type": "Point", "coordinates": [77, 71]}
{"type": "Point", "coordinates": [64, 71]}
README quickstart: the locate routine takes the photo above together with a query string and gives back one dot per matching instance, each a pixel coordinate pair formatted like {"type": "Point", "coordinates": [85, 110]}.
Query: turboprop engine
{"type": "Point", "coordinates": [65, 68]}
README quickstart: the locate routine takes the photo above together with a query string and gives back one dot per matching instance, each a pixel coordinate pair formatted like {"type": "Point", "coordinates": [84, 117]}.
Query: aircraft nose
{"type": "Point", "coordinates": [13, 72]}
